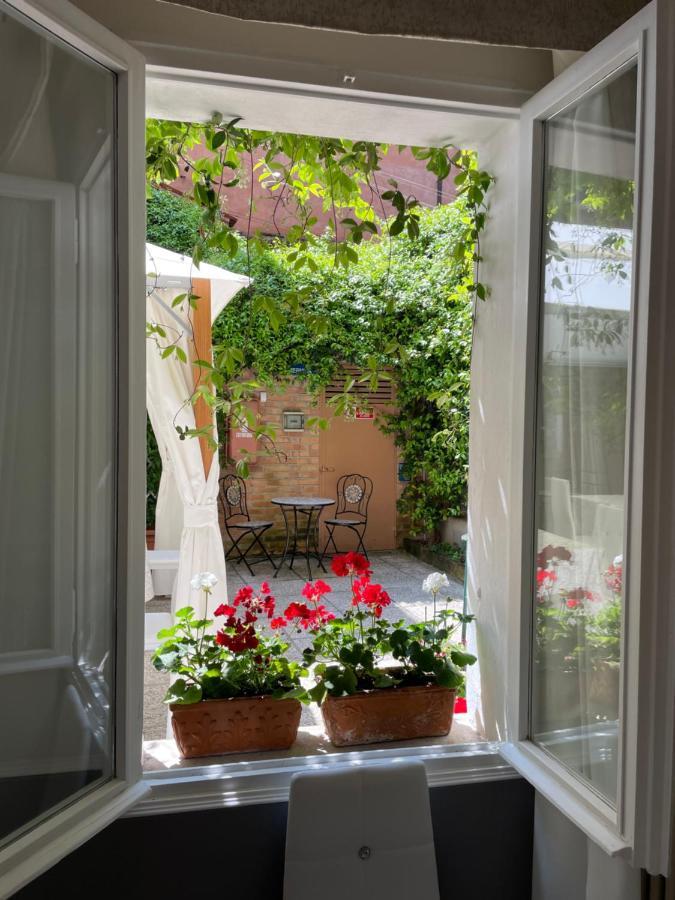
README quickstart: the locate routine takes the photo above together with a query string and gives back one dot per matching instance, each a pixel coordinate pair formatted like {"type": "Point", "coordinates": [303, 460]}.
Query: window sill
{"type": "Point", "coordinates": [189, 785]}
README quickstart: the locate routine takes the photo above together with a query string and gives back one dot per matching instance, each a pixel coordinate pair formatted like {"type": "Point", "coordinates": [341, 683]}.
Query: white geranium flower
{"type": "Point", "coordinates": [203, 581]}
{"type": "Point", "coordinates": [434, 582]}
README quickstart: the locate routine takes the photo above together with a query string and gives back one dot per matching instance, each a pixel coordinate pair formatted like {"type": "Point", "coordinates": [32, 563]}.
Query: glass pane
{"type": "Point", "coordinates": [57, 423]}
{"type": "Point", "coordinates": [581, 428]}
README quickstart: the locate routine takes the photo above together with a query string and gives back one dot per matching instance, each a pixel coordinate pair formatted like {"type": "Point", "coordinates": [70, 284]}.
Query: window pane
{"type": "Point", "coordinates": [581, 428]}
{"type": "Point", "coordinates": [57, 423]}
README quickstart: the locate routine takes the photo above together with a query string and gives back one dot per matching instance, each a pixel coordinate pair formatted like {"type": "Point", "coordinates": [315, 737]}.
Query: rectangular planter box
{"type": "Point", "coordinates": [391, 714]}
{"type": "Point", "coordinates": [234, 725]}
{"type": "Point", "coordinates": [439, 561]}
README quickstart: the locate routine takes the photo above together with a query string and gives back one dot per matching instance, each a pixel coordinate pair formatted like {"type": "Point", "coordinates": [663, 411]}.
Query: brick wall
{"type": "Point", "coordinates": [272, 218]}
{"type": "Point", "coordinates": [291, 468]}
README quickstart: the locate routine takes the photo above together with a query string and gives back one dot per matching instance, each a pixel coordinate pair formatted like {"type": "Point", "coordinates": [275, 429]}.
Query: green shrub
{"type": "Point", "coordinates": [406, 307]}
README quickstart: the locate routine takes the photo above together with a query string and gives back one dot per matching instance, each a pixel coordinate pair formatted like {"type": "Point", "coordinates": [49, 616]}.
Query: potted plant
{"type": "Point", "coordinates": [234, 690]}
{"type": "Point", "coordinates": [380, 680]}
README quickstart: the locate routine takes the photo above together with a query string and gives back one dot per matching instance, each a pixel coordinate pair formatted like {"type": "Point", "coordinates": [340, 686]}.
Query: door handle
{"type": "Point", "coordinates": [326, 468]}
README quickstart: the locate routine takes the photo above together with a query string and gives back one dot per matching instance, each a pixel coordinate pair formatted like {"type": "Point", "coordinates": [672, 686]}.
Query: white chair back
{"type": "Point", "coordinates": [362, 833]}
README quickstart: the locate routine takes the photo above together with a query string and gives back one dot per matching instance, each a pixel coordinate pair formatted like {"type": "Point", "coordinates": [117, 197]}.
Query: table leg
{"type": "Point", "coordinates": [288, 538]}
{"type": "Point", "coordinates": [295, 537]}
{"type": "Point", "coordinates": [319, 556]}
{"type": "Point", "coordinates": [310, 511]}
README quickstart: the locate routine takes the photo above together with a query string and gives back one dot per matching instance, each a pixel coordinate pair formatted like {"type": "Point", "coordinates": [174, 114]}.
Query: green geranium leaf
{"type": "Point", "coordinates": [461, 658]}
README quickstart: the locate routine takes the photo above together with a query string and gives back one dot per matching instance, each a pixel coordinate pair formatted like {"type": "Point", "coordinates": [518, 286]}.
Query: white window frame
{"type": "Point", "coordinates": [635, 832]}
{"type": "Point", "coordinates": [61, 198]}
{"type": "Point", "coordinates": [615, 830]}
{"type": "Point", "coordinates": [638, 827]}
{"type": "Point", "coordinates": [62, 832]}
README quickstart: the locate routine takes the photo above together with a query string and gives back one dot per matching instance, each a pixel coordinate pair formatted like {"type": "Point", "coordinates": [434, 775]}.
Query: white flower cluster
{"type": "Point", "coordinates": [433, 583]}
{"type": "Point", "coordinates": [203, 581]}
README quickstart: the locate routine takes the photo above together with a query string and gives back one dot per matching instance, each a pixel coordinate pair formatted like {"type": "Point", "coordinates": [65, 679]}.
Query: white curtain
{"type": "Point", "coordinates": [169, 386]}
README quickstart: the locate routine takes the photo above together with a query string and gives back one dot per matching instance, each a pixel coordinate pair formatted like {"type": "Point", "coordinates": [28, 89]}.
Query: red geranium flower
{"type": "Point", "coordinates": [244, 637]}
{"type": "Point", "coordinates": [224, 610]}
{"type": "Point", "coordinates": [572, 603]}
{"type": "Point", "coordinates": [614, 578]}
{"type": "Point", "coordinates": [307, 618]}
{"type": "Point", "coordinates": [350, 564]}
{"type": "Point", "coordinates": [315, 589]}
{"type": "Point", "coordinates": [297, 611]}
{"type": "Point", "coordinates": [279, 622]}
{"type": "Point", "coordinates": [357, 590]}
{"type": "Point", "coordinates": [260, 604]}
{"type": "Point", "coordinates": [321, 616]}
{"type": "Point", "coordinates": [268, 605]}
{"type": "Point", "coordinates": [546, 577]}
{"type": "Point", "coordinates": [373, 595]}
{"type": "Point", "coordinates": [243, 594]}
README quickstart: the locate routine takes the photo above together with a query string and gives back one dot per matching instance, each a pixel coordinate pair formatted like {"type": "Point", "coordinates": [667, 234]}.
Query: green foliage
{"type": "Point", "coordinates": [208, 670]}
{"type": "Point", "coordinates": [392, 295]}
{"type": "Point", "coordinates": [348, 653]}
{"type": "Point", "coordinates": [405, 306]}
{"type": "Point", "coordinates": [454, 552]}
{"type": "Point", "coordinates": [171, 222]}
{"type": "Point", "coordinates": [297, 168]}
{"type": "Point", "coordinates": [153, 475]}
{"type": "Point", "coordinates": [584, 198]}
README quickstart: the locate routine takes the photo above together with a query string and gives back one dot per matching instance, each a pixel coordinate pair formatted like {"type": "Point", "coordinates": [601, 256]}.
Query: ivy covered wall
{"type": "Point", "coordinates": [409, 295]}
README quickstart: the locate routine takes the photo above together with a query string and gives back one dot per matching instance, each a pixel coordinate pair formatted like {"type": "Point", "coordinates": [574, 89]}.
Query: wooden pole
{"type": "Point", "coordinates": [201, 324]}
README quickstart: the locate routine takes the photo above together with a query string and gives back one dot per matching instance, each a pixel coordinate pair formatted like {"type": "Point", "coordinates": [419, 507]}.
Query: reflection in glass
{"type": "Point", "coordinates": [581, 428]}
{"type": "Point", "coordinates": [57, 423]}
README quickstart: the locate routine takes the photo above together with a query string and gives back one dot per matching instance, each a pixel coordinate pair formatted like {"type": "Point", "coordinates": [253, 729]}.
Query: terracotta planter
{"type": "Point", "coordinates": [235, 725]}
{"type": "Point", "coordinates": [391, 714]}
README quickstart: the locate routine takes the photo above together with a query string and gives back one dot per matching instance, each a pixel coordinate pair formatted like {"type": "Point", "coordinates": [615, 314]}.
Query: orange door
{"type": "Point", "coordinates": [358, 446]}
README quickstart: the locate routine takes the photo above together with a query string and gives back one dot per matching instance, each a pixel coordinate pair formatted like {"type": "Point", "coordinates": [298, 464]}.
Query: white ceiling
{"type": "Point", "coordinates": [293, 108]}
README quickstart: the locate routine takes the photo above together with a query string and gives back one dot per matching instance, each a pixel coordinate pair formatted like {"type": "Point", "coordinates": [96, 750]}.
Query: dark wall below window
{"type": "Point", "coordinates": [483, 849]}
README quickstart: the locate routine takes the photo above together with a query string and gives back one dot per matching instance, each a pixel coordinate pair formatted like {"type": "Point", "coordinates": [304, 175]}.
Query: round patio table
{"type": "Point", "coordinates": [309, 508]}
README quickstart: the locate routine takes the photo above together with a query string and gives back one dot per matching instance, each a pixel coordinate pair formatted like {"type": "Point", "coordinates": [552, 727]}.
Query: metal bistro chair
{"type": "Point", "coordinates": [353, 496]}
{"type": "Point", "coordinates": [238, 523]}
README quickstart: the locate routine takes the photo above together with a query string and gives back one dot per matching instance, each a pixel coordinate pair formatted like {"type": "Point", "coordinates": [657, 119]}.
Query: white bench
{"type": "Point", "coordinates": [163, 560]}
{"type": "Point", "coordinates": [159, 561]}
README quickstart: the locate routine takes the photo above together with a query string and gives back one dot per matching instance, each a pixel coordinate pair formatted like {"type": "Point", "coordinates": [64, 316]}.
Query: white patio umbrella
{"type": "Point", "coordinates": [187, 512]}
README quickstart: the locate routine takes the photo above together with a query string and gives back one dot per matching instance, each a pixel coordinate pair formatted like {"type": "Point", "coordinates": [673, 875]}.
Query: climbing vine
{"type": "Point", "coordinates": [423, 344]}
{"type": "Point", "coordinates": [375, 259]}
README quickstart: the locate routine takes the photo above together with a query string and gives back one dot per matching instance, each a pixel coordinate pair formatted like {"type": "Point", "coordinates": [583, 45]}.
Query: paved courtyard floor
{"type": "Point", "coordinates": [400, 574]}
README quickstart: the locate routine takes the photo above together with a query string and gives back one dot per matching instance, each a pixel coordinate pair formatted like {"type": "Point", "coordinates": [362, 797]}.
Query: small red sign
{"type": "Point", "coordinates": [365, 414]}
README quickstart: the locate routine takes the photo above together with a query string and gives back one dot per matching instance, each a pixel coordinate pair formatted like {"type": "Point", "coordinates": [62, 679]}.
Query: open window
{"type": "Point", "coordinates": [73, 420]}
{"type": "Point", "coordinates": [588, 292]}
{"type": "Point", "coordinates": [595, 205]}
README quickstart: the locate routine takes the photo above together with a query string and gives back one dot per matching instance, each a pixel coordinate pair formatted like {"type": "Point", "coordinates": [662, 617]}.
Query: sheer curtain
{"type": "Point", "coordinates": [169, 387]}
